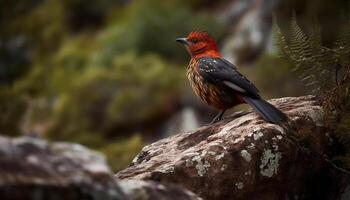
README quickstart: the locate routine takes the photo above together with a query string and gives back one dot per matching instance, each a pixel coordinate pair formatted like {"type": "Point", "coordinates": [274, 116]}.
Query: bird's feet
{"type": "Point", "coordinates": [217, 117]}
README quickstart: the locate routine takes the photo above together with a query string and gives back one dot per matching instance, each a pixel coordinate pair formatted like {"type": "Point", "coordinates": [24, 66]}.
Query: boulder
{"type": "Point", "coordinates": [151, 190]}
{"type": "Point", "coordinates": [33, 169]}
{"type": "Point", "coordinates": [244, 157]}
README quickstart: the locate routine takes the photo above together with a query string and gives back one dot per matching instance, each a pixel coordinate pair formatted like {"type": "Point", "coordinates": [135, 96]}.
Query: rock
{"type": "Point", "coordinates": [31, 168]}
{"type": "Point", "coordinates": [243, 157]}
{"type": "Point", "coordinates": [150, 190]}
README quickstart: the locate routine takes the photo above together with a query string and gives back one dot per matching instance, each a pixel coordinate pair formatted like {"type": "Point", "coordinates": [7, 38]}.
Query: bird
{"type": "Point", "coordinates": [219, 83]}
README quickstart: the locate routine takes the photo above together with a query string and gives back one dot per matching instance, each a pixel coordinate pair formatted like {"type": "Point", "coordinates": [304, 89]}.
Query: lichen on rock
{"type": "Point", "coordinates": [269, 163]}
{"type": "Point", "coordinates": [246, 155]}
{"type": "Point", "coordinates": [201, 166]}
{"type": "Point", "coordinates": [257, 133]}
{"type": "Point", "coordinates": [239, 185]}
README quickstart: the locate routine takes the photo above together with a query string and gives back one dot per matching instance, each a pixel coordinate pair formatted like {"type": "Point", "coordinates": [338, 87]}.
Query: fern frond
{"type": "Point", "coordinates": [326, 70]}
{"type": "Point", "coordinates": [316, 39]}
{"type": "Point", "coordinates": [299, 43]}
{"type": "Point", "coordinates": [279, 40]}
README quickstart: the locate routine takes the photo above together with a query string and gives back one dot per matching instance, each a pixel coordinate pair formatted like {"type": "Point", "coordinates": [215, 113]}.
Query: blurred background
{"type": "Point", "coordinates": [108, 74]}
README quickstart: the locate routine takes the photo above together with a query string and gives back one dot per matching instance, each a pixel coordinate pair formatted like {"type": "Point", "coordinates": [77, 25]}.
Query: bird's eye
{"type": "Point", "coordinates": [194, 40]}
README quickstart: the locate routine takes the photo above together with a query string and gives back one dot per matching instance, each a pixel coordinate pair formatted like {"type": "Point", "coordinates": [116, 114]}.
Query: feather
{"type": "Point", "coordinates": [267, 111]}
{"type": "Point", "coordinates": [234, 86]}
{"type": "Point", "coordinates": [221, 72]}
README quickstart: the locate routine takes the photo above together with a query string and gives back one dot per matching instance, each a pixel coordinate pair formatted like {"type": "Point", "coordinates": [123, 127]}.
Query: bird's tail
{"type": "Point", "coordinates": [267, 111]}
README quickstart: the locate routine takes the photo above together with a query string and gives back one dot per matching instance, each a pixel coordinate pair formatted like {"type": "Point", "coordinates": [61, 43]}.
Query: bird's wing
{"type": "Point", "coordinates": [220, 71]}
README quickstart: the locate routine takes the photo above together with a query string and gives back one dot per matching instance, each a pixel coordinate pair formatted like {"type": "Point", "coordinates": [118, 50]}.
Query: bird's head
{"type": "Point", "coordinates": [200, 44]}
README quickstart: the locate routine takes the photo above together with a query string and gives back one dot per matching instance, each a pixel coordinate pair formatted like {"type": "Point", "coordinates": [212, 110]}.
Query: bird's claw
{"type": "Point", "coordinates": [216, 119]}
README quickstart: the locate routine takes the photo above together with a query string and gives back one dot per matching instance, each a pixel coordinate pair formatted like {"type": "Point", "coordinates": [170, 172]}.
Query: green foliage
{"type": "Point", "coordinates": [12, 108]}
{"type": "Point", "coordinates": [104, 104]}
{"type": "Point", "coordinates": [144, 85]}
{"type": "Point", "coordinates": [326, 70]}
{"type": "Point", "coordinates": [311, 60]}
{"type": "Point", "coordinates": [49, 14]}
{"type": "Point", "coordinates": [272, 70]}
{"type": "Point", "coordinates": [94, 72]}
{"type": "Point", "coordinates": [155, 33]}
{"type": "Point", "coordinates": [120, 154]}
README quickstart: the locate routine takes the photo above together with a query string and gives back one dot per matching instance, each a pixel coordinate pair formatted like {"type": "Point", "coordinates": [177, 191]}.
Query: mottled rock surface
{"type": "Point", "coordinates": [33, 169]}
{"type": "Point", "coordinates": [150, 190]}
{"type": "Point", "coordinates": [243, 157]}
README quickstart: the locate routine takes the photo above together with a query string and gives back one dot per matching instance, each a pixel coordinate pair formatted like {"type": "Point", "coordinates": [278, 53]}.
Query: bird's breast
{"type": "Point", "coordinates": [215, 95]}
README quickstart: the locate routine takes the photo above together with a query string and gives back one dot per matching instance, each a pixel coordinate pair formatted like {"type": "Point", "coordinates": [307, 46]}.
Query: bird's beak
{"type": "Point", "coordinates": [183, 41]}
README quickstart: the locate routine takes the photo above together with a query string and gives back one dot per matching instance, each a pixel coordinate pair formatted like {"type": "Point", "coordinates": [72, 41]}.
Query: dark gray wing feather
{"type": "Point", "coordinates": [220, 71]}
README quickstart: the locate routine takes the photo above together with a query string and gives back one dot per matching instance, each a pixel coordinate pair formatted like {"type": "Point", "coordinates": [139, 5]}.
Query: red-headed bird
{"type": "Point", "coordinates": [218, 82]}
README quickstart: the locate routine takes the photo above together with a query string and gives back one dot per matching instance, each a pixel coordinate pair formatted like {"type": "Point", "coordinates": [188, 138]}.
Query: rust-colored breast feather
{"type": "Point", "coordinates": [217, 96]}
